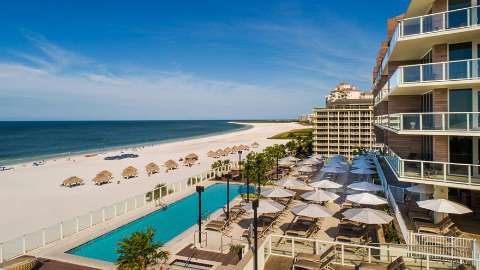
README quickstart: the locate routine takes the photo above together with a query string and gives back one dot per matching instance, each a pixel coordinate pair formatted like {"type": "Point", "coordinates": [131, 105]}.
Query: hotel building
{"type": "Point", "coordinates": [426, 89]}
{"type": "Point", "coordinates": [345, 124]}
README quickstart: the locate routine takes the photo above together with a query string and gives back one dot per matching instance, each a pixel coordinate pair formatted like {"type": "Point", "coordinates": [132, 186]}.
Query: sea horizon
{"type": "Point", "coordinates": [30, 141]}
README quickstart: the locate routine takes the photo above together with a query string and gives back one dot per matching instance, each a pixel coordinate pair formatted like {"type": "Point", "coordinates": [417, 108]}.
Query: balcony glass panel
{"type": "Point", "coordinates": [457, 121]}
{"type": "Point", "coordinates": [411, 121]}
{"type": "Point", "coordinates": [432, 121]}
{"type": "Point", "coordinates": [458, 173]}
{"type": "Point", "coordinates": [459, 70]}
{"type": "Point", "coordinates": [412, 169]}
{"type": "Point", "coordinates": [433, 170]}
{"type": "Point", "coordinates": [433, 72]}
{"type": "Point", "coordinates": [411, 26]}
{"type": "Point", "coordinates": [411, 74]}
{"type": "Point", "coordinates": [457, 18]}
{"type": "Point", "coordinates": [432, 23]}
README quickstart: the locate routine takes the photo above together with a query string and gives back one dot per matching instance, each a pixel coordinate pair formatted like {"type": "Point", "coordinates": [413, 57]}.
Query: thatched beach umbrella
{"type": "Point", "coordinates": [130, 172]}
{"type": "Point", "coordinates": [235, 149]}
{"type": "Point", "coordinates": [72, 181]}
{"type": "Point", "coordinates": [152, 168]}
{"type": "Point", "coordinates": [211, 153]}
{"type": "Point", "coordinates": [192, 156]}
{"type": "Point", "coordinates": [171, 164]}
{"type": "Point", "coordinates": [227, 150]}
{"type": "Point", "coordinates": [102, 177]}
{"type": "Point", "coordinates": [219, 153]}
{"type": "Point", "coordinates": [255, 145]}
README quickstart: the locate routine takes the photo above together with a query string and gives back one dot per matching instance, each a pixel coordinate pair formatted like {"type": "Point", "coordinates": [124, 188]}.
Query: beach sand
{"type": "Point", "coordinates": [31, 198]}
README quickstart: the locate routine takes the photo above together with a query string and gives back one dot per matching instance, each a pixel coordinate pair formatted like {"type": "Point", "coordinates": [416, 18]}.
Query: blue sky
{"type": "Point", "coordinates": [85, 60]}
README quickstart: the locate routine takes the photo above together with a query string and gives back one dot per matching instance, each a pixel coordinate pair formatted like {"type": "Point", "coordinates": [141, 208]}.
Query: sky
{"type": "Point", "coordinates": [156, 60]}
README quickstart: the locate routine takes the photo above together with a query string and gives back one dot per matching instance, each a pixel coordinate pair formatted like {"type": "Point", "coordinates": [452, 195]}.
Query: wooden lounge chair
{"type": "Point", "coordinates": [313, 265]}
{"type": "Point", "coordinates": [27, 263]}
{"type": "Point", "coordinates": [397, 264]}
{"type": "Point", "coordinates": [440, 228]}
{"type": "Point", "coordinates": [216, 225]}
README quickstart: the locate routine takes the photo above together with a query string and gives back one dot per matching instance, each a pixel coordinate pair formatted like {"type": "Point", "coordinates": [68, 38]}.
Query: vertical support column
{"type": "Point", "coordinates": [91, 219]}
{"type": "Point", "coordinates": [61, 230]}
{"type": "Point", "coordinates": [439, 192]}
{"type": "Point", "coordinates": [24, 244]}
{"type": "Point", "coordinates": [103, 214]}
{"type": "Point", "coordinates": [1, 252]}
{"type": "Point", "coordinates": [76, 225]}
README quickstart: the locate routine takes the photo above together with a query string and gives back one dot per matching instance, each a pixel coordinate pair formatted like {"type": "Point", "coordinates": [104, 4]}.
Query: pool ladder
{"type": "Point", "coordinates": [189, 260]}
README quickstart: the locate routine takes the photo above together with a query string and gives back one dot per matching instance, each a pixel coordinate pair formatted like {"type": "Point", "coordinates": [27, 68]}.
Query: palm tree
{"type": "Point", "coordinates": [139, 250]}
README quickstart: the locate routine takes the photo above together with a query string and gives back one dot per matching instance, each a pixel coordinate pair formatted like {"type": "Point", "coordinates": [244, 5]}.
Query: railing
{"type": "Point", "coordinates": [430, 23]}
{"type": "Point", "coordinates": [442, 245]}
{"type": "Point", "coordinates": [391, 202]}
{"type": "Point", "coordinates": [431, 121]}
{"type": "Point", "coordinates": [434, 171]}
{"type": "Point", "coordinates": [56, 232]}
{"type": "Point", "coordinates": [349, 254]}
{"type": "Point", "coordinates": [438, 22]}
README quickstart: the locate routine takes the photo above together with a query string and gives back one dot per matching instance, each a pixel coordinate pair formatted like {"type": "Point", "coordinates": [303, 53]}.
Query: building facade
{"type": "Point", "coordinates": [345, 125]}
{"type": "Point", "coordinates": [426, 98]}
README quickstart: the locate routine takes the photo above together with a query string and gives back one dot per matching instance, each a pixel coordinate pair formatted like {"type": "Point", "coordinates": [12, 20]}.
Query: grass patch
{"type": "Point", "coordinates": [302, 132]}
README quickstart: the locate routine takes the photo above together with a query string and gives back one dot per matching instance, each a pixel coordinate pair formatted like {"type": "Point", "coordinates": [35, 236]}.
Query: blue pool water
{"type": "Point", "coordinates": [168, 222]}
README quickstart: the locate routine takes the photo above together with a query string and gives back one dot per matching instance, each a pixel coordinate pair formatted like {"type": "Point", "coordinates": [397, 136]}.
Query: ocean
{"type": "Point", "coordinates": [28, 141]}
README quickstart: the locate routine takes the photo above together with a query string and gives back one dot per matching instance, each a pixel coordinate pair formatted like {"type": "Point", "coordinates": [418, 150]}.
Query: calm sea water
{"type": "Point", "coordinates": [26, 141]}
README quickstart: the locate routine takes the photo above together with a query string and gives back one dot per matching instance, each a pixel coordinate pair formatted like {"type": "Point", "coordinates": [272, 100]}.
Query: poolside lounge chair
{"type": "Point", "coordinates": [397, 264]}
{"type": "Point", "coordinates": [313, 265]}
{"type": "Point", "coordinates": [465, 267]}
{"type": "Point", "coordinates": [440, 228]}
{"type": "Point", "coordinates": [217, 225]}
{"type": "Point", "coordinates": [27, 263]}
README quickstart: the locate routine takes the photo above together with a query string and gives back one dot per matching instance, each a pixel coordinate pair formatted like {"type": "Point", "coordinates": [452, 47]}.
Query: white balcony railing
{"type": "Point", "coordinates": [433, 171]}
{"type": "Point", "coordinates": [430, 122]}
{"type": "Point", "coordinates": [430, 23]}
{"type": "Point", "coordinates": [468, 69]}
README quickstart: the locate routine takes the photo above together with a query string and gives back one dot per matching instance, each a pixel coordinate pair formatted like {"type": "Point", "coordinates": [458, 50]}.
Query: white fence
{"type": "Point", "coordinates": [442, 245]}
{"type": "Point", "coordinates": [28, 242]}
{"type": "Point", "coordinates": [348, 254]}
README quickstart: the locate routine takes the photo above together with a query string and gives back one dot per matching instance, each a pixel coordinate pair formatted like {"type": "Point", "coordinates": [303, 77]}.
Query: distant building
{"type": "Point", "coordinates": [345, 125]}
{"type": "Point", "coordinates": [306, 118]}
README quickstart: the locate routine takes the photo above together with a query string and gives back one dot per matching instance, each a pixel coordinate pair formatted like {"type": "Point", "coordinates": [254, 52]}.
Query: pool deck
{"type": "Point", "coordinates": [57, 250]}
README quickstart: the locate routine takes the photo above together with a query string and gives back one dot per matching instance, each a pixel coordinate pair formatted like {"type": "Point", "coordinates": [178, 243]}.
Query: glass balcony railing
{"type": "Point", "coordinates": [457, 173]}
{"type": "Point", "coordinates": [442, 21]}
{"type": "Point", "coordinates": [432, 72]}
{"type": "Point", "coordinates": [434, 121]}
{"type": "Point", "coordinates": [430, 23]}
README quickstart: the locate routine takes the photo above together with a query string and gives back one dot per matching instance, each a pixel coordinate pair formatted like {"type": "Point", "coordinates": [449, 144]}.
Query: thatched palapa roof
{"type": "Point", "coordinates": [227, 150]}
{"type": "Point", "coordinates": [255, 145]}
{"type": "Point", "coordinates": [130, 172]}
{"type": "Point", "coordinates": [171, 164]}
{"type": "Point", "coordinates": [152, 168]}
{"type": "Point", "coordinates": [72, 181]}
{"type": "Point", "coordinates": [211, 153]}
{"type": "Point", "coordinates": [191, 156]}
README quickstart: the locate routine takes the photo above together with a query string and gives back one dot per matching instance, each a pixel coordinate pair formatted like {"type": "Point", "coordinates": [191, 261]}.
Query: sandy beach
{"type": "Point", "coordinates": [31, 198]}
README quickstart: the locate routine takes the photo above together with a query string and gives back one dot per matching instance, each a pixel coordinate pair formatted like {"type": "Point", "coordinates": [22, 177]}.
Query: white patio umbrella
{"type": "Point", "coordinates": [365, 186]}
{"type": "Point", "coordinates": [306, 169]}
{"type": "Point", "coordinates": [290, 182]}
{"type": "Point", "coordinates": [333, 170]}
{"type": "Point", "coordinates": [319, 195]}
{"type": "Point", "coordinates": [324, 184]}
{"type": "Point", "coordinates": [277, 193]}
{"type": "Point", "coordinates": [310, 162]}
{"type": "Point", "coordinates": [266, 207]}
{"type": "Point", "coordinates": [318, 157]}
{"type": "Point", "coordinates": [363, 171]}
{"type": "Point", "coordinates": [421, 188]}
{"type": "Point", "coordinates": [444, 206]}
{"type": "Point", "coordinates": [289, 159]}
{"type": "Point", "coordinates": [367, 216]}
{"type": "Point", "coordinates": [366, 198]}
{"type": "Point", "coordinates": [312, 210]}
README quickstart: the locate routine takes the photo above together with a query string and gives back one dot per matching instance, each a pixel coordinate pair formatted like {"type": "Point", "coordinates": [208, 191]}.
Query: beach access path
{"type": "Point", "coordinates": [31, 198]}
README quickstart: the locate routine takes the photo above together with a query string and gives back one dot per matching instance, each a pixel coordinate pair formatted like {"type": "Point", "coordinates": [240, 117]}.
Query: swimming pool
{"type": "Point", "coordinates": [168, 222]}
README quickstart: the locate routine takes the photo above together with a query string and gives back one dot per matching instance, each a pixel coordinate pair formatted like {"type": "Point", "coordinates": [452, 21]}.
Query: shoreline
{"type": "Point", "coordinates": [126, 147]}
{"type": "Point", "coordinates": [32, 196]}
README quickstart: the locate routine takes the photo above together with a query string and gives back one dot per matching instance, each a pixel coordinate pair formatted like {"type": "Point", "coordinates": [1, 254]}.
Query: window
{"type": "Point", "coordinates": [460, 152]}
{"type": "Point", "coordinates": [459, 69]}
{"type": "Point", "coordinates": [458, 18]}
{"type": "Point", "coordinates": [459, 101]}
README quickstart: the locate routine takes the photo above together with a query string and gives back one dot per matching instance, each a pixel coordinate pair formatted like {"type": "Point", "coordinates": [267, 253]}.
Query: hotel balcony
{"type": "Point", "coordinates": [434, 123]}
{"type": "Point", "coordinates": [421, 78]}
{"type": "Point", "coordinates": [457, 175]}
{"type": "Point", "coordinates": [414, 36]}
